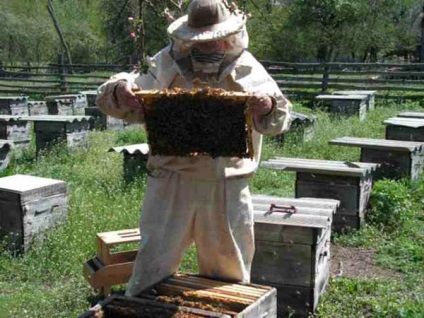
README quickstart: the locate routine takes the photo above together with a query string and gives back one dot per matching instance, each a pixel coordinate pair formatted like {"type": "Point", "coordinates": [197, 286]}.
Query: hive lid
{"type": "Point", "coordinates": [355, 92]}
{"type": "Point", "coordinates": [342, 97]}
{"type": "Point", "coordinates": [25, 183]}
{"type": "Point", "coordinates": [6, 143]}
{"type": "Point", "coordinates": [330, 167]}
{"type": "Point", "coordinates": [132, 149]}
{"type": "Point", "coordinates": [18, 98]}
{"type": "Point", "coordinates": [8, 118]}
{"type": "Point", "coordinates": [406, 122]}
{"type": "Point", "coordinates": [59, 118]}
{"type": "Point", "coordinates": [411, 114]}
{"type": "Point", "coordinates": [378, 143]}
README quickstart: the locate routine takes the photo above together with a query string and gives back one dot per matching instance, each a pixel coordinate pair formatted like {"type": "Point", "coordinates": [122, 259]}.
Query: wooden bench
{"type": "Point", "coordinates": [5, 153]}
{"type": "Point", "coordinates": [370, 96]}
{"type": "Point", "coordinates": [50, 129]}
{"type": "Point", "coordinates": [135, 159]}
{"type": "Point", "coordinates": [345, 104]}
{"type": "Point", "coordinates": [397, 159]}
{"type": "Point", "coordinates": [292, 249]}
{"type": "Point", "coordinates": [348, 182]}
{"type": "Point", "coordinates": [14, 105]}
{"type": "Point", "coordinates": [409, 129]}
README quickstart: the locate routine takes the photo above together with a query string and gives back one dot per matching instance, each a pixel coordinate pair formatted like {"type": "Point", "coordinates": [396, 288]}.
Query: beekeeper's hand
{"type": "Point", "coordinates": [261, 104]}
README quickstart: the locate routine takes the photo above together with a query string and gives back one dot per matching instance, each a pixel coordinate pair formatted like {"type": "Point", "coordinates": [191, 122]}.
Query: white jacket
{"type": "Point", "coordinates": [245, 74]}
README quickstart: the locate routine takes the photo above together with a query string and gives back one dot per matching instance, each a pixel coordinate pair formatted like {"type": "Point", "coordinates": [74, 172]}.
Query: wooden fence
{"type": "Point", "coordinates": [55, 79]}
{"type": "Point", "coordinates": [297, 80]}
{"type": "Point", "coordinates": [305, 80]}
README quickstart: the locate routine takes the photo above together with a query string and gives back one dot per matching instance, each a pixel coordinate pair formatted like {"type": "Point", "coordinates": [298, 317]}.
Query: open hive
{"type": "Point", "coordinates": [194, 122]}
{"type": "Point", "coordinates": [189, 296]}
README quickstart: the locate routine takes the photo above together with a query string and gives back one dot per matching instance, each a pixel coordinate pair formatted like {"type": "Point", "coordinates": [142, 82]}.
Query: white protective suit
{"type": "Point", "coordinates": [200, 199]}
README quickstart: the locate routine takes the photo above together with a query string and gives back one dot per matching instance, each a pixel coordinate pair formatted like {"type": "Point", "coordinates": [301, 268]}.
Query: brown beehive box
{"type": "Point", "coordinates": [188, 296]}
{"type": "Point", "coordinates": [210, 122]}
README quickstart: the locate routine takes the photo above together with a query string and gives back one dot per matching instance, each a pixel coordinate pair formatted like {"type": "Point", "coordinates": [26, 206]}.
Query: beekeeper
{"type": "Point", "coordinates": [199, 199]}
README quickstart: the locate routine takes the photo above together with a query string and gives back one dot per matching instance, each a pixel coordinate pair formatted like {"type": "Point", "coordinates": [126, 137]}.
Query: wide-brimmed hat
{"type": "Point", "coordinates": [207, 20]}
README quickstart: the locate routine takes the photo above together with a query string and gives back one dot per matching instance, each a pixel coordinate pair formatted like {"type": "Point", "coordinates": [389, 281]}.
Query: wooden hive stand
{"type": "Point", "coordinates": [110, 268]}
{"type": "Point", "coordinates": [348, 182]}
{"type": "Point", "coordinates": [397, 159]}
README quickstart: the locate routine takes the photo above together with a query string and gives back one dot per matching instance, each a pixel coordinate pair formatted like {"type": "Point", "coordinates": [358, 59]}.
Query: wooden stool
{"type": "Point", "coordinates": [397, 159]}
{"type": "Point", "coordinates": [348, 182]}
{"type": "Point", "coordinates": [109, 268]}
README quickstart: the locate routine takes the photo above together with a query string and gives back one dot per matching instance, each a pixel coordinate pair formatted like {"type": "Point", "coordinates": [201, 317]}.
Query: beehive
{"type": "Point", "coordinates": [397, 158]}
{"type": "Point", "coordinates": [90, 97]}
{"type": "Point", "coordinates": [345, 105]}
{"type": "Point", "coordinates": [402, 128]}
{"type": "Point", "coordinates": [51, 129]}
{"type": "Point", "coordinates": [16, 129]}
{"type": "Point", "coordinates": [135, 159]}
{"type": "Point", "coordinates": [28, 206]}
{"type": "Point", "coordinates": [101, 121]}
{"type": "Point", "coordinates": [369, 94]}
{"type": "Point", "coordinates": [210, 122]}
{"type": "Point", "coordinates": [5, 153]}
{"type": "Point", "coordinates": [36, 108]}
{"type": "Point", "coordinates": [72, 104]}
{"type": "Point", "coordinates": [292, 249]}
{"type": "Point", "coordinates": [183, 295]}
{"type": "Point", "coordinates": [302, 128]}
{"type": "Point", "coordinates": [14, 105]}
{"type": "Point", "coordinates": [348, 182]}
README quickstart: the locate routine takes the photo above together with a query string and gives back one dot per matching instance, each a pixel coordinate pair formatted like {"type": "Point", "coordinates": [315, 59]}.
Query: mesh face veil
{"type": "Point", "coordinates": [191, 60]}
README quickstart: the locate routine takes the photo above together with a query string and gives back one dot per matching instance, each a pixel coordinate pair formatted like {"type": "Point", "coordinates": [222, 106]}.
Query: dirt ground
{"type": "Point", "coordinates": [353, 262]}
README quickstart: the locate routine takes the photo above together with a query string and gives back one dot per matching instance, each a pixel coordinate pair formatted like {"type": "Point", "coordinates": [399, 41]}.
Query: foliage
{"type": "Point", "coordinates": [391, 205]}
{"type": "Point", "coordinates": [328, 30]}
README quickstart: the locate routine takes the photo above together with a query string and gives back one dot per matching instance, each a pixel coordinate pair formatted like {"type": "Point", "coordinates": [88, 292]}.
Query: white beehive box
{"type": "Point", "coordinates": [30, 205]}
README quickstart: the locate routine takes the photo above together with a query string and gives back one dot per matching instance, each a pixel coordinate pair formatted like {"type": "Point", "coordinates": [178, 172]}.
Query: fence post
{"type": "Point", "coordinates": [60, 62]}
{"type": "Point", "coordinates": [325, 78]}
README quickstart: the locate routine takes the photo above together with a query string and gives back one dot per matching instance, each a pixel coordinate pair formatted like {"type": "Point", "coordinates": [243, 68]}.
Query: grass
{"type": "Point", "coordinates": [48, 282]}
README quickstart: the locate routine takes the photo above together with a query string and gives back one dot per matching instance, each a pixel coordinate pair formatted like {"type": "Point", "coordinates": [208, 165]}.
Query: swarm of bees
{"type": "Point", "coordinates": [200, 121]}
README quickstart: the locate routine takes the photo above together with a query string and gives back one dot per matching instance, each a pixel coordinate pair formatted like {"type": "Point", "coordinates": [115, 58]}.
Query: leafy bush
{"type": "Point", "coordinates": [391, 205]}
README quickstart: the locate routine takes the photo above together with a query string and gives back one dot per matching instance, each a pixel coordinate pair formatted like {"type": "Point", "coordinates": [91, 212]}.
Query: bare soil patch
{"type": "Point", "coordinates": [353, 262]}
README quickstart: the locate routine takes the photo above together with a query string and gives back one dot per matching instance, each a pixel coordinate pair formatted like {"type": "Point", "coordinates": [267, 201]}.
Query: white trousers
{"type": "Point", "coordinates": [217, 215]}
